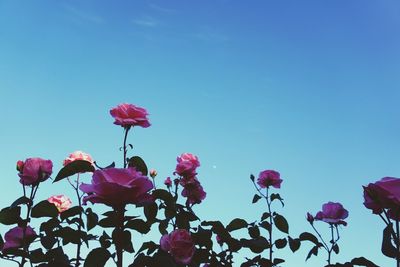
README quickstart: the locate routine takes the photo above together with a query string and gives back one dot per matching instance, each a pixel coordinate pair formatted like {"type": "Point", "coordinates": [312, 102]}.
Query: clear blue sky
{"type": "Point", "coordinates": [308, 88]}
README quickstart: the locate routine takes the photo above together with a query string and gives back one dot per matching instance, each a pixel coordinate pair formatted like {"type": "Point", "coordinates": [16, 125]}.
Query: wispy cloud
{"type": "Point", "coordinates": [211, 36]}
{"type": "Point", "coordinates": [162, 9]}
{"type": "Point", "coordinates": [83, 15]}
{"type": "Point", "coordinates": [146, 21]}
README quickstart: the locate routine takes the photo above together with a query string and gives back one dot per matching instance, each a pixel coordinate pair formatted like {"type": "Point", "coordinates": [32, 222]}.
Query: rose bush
{"type": "Point", "coordinates": [186, 239]}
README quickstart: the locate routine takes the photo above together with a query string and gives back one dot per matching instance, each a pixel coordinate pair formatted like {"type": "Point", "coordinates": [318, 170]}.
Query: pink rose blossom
{"type": "Point", "coordinates": [78, 155]}
{"type": "Point", "coordinates": [128, 115]}
{"type": "Point", "coordinates": [187, 165]}
{"type": "Point", "coordinates": [61, 202]}
{"type": "Point", "coordinates": [118, 187]}
{"type": "Point", "coordinates": [180, 245]}
{"type": "Point", "coordinates": [193, 191]}
{"type": "Point", "coordinates": [269, 178]}
{"type": "Point", "coordinates": [35, 170]}
{"type": "Point", "coordinates": [332, 213]}
{"type": "Point", "coordinates": [14, 237]}
{"type": "Point", "coordinates": [383, 194]}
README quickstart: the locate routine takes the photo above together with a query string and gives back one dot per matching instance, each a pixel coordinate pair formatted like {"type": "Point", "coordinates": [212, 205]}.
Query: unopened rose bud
{"type": "Point", "coordinates": [310, 218]}
{"type": "Point", "coordinates": [168, 182]}
{"type": "Point", "coordinates": [153, 173]}
{"type": "Point", "coordinates": [176, 181]}
{"type": "Point", "coordinates": [20, 165]}
{"type": "Point", "coordinates": [219, 240]}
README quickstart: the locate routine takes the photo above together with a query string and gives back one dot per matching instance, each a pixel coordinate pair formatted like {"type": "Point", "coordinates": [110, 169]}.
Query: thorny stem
{"type": "Point", "coordinates": [397, 243]}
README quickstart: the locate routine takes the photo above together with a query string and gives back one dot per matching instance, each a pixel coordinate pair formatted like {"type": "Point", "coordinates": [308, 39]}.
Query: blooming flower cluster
{"type": "Point", "coordinates": [186, 169]}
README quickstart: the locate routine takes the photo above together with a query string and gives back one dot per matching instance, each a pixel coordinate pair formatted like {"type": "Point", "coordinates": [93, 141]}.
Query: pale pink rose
{"type": "Point", "coordinates": [189, 157]}
{"type": "Point", "coordinates": [77, 155]}
{"type": "Point", "coordinates": [128, 115]}
{"type": "Point", "coordinates": [153, 173]}
{"type": "Point", "coordinates": [61, 202]}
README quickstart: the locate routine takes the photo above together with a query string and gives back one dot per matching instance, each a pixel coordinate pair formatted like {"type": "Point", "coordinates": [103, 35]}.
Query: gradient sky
{"type": "Point", "coordinates": [308, 88]}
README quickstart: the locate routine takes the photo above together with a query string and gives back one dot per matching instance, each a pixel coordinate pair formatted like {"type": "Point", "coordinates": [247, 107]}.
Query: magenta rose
{"type": "Point", "coordinates": [78, 155]}
{"type": "Point", "coordinates": [168, 182]}
{"type": "Point", "coordinates": [383, 194]}
{"type": "Point", "coordinates": [128, 115]}
{"type": "Point", "coordinates": [14, 237]}
{"type": "Point", "coordinates": [193, 191]}
{"type": "Point", "coordinates": [179, 244]}
{"type": "Point", "coordinates": [332, 213]}
{"type": "Point", "coordinates": [269, 178]}
{"type": "Point", "coordinates": [187, 165]}
{"type": "Point", "coordinates": [34, 170]}
{"type": "Point", "coordinates": [118, 187]}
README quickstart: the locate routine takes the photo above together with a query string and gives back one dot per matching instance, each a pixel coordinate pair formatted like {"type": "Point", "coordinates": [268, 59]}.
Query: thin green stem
{"type": "Point", "coordinates": [124, 145]}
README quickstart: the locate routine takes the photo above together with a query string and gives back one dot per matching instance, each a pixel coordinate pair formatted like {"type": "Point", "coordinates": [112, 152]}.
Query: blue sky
{"type": "Point", "coordinates": [308, 88]}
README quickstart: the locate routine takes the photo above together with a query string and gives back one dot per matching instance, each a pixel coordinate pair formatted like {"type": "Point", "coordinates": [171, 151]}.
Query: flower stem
{"type": "Point", "coordinates": [119, 235]}
{"type": "Point", "coordinates": [78, 248]}
{"type": "Point", "coordinates": [397, 243]}
{"type": "Point", "coordinates": [124, 145]}
{"type": "Point", "coordinates": [270, 228]}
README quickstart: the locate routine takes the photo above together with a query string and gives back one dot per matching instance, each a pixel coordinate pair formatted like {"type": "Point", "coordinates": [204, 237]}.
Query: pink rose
{"type": "Point", "coordinates": [61, 202]}
{"type": "Point", "coordinates": [78, 155]}
{"type": "Point", "coordinates": [187, 164]}
{"type": "Point", "coordinates": [269, 178]}
{"type": "Point", "coordinates": [179, 244]}
{"type": "Point", "coordinates": [14, 237]}
{"type": "Point", "coordinates": [118, 187]}
{"type": "Point", "coordinates": [128, 115]}
{"type": "Point", "coordinates": [193, 191]}
{"type": "Point", "coordinates": [35, 170]}
{"type": "Point", "coordinates": [332, 213]}
{"type": "Point", "coordinates": [383, 194]}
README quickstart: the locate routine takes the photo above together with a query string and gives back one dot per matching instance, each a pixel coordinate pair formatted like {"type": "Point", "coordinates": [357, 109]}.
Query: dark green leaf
{"type": "Point", "coordinates": [236, 224]}
{"type": "Point", "coordinates": [265, 216]}
{"type": "Point", "coordinates": [150, 211]}
{"type": "Point", "coordinates": [281, 223]}
{"type": "Point", "coordinates": [10, 216]}
{"type": "Point", "coordinates": [361, 261]}
{"type": "Point", "coordinates": [294, 244]}
{"type": "Point", "coordinates": [254, 232]}
{"type": "Point", "coordinates": [138, 225]}
{"type": "Point", "coordinates": [71, 212]}
{"type": "Point", "coordinates": [256, 198]}
{"type": "Point", "coordinates": [278, 261]}
{"type": "Point", "coordinates": [388, 249]}
{"type": "Point", "coordinates": [44, 209]}
{"type": "Point", "coordinates": [308, 236]}
{"type": "Point", "coordinates": [97, 257]}
{"type": "Point", "coordinates": [277, 197]}
{"type": "Point", "coordinates": [313, 251]}
{"type": "Point", "coordinates": [74, 167]}
{"type": "Point", "coordinates": [19, 201]}
{"type": "Point", "coordinates": [280, 243]}
{"type": "Point", "coordinates": [148, 246]}
{"type": "Point", "coordinates": [336, 248]}
{"type": "Point", "coordinates": [91, 219]}
{"type": "Point", "coordinates": [139, 164]}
